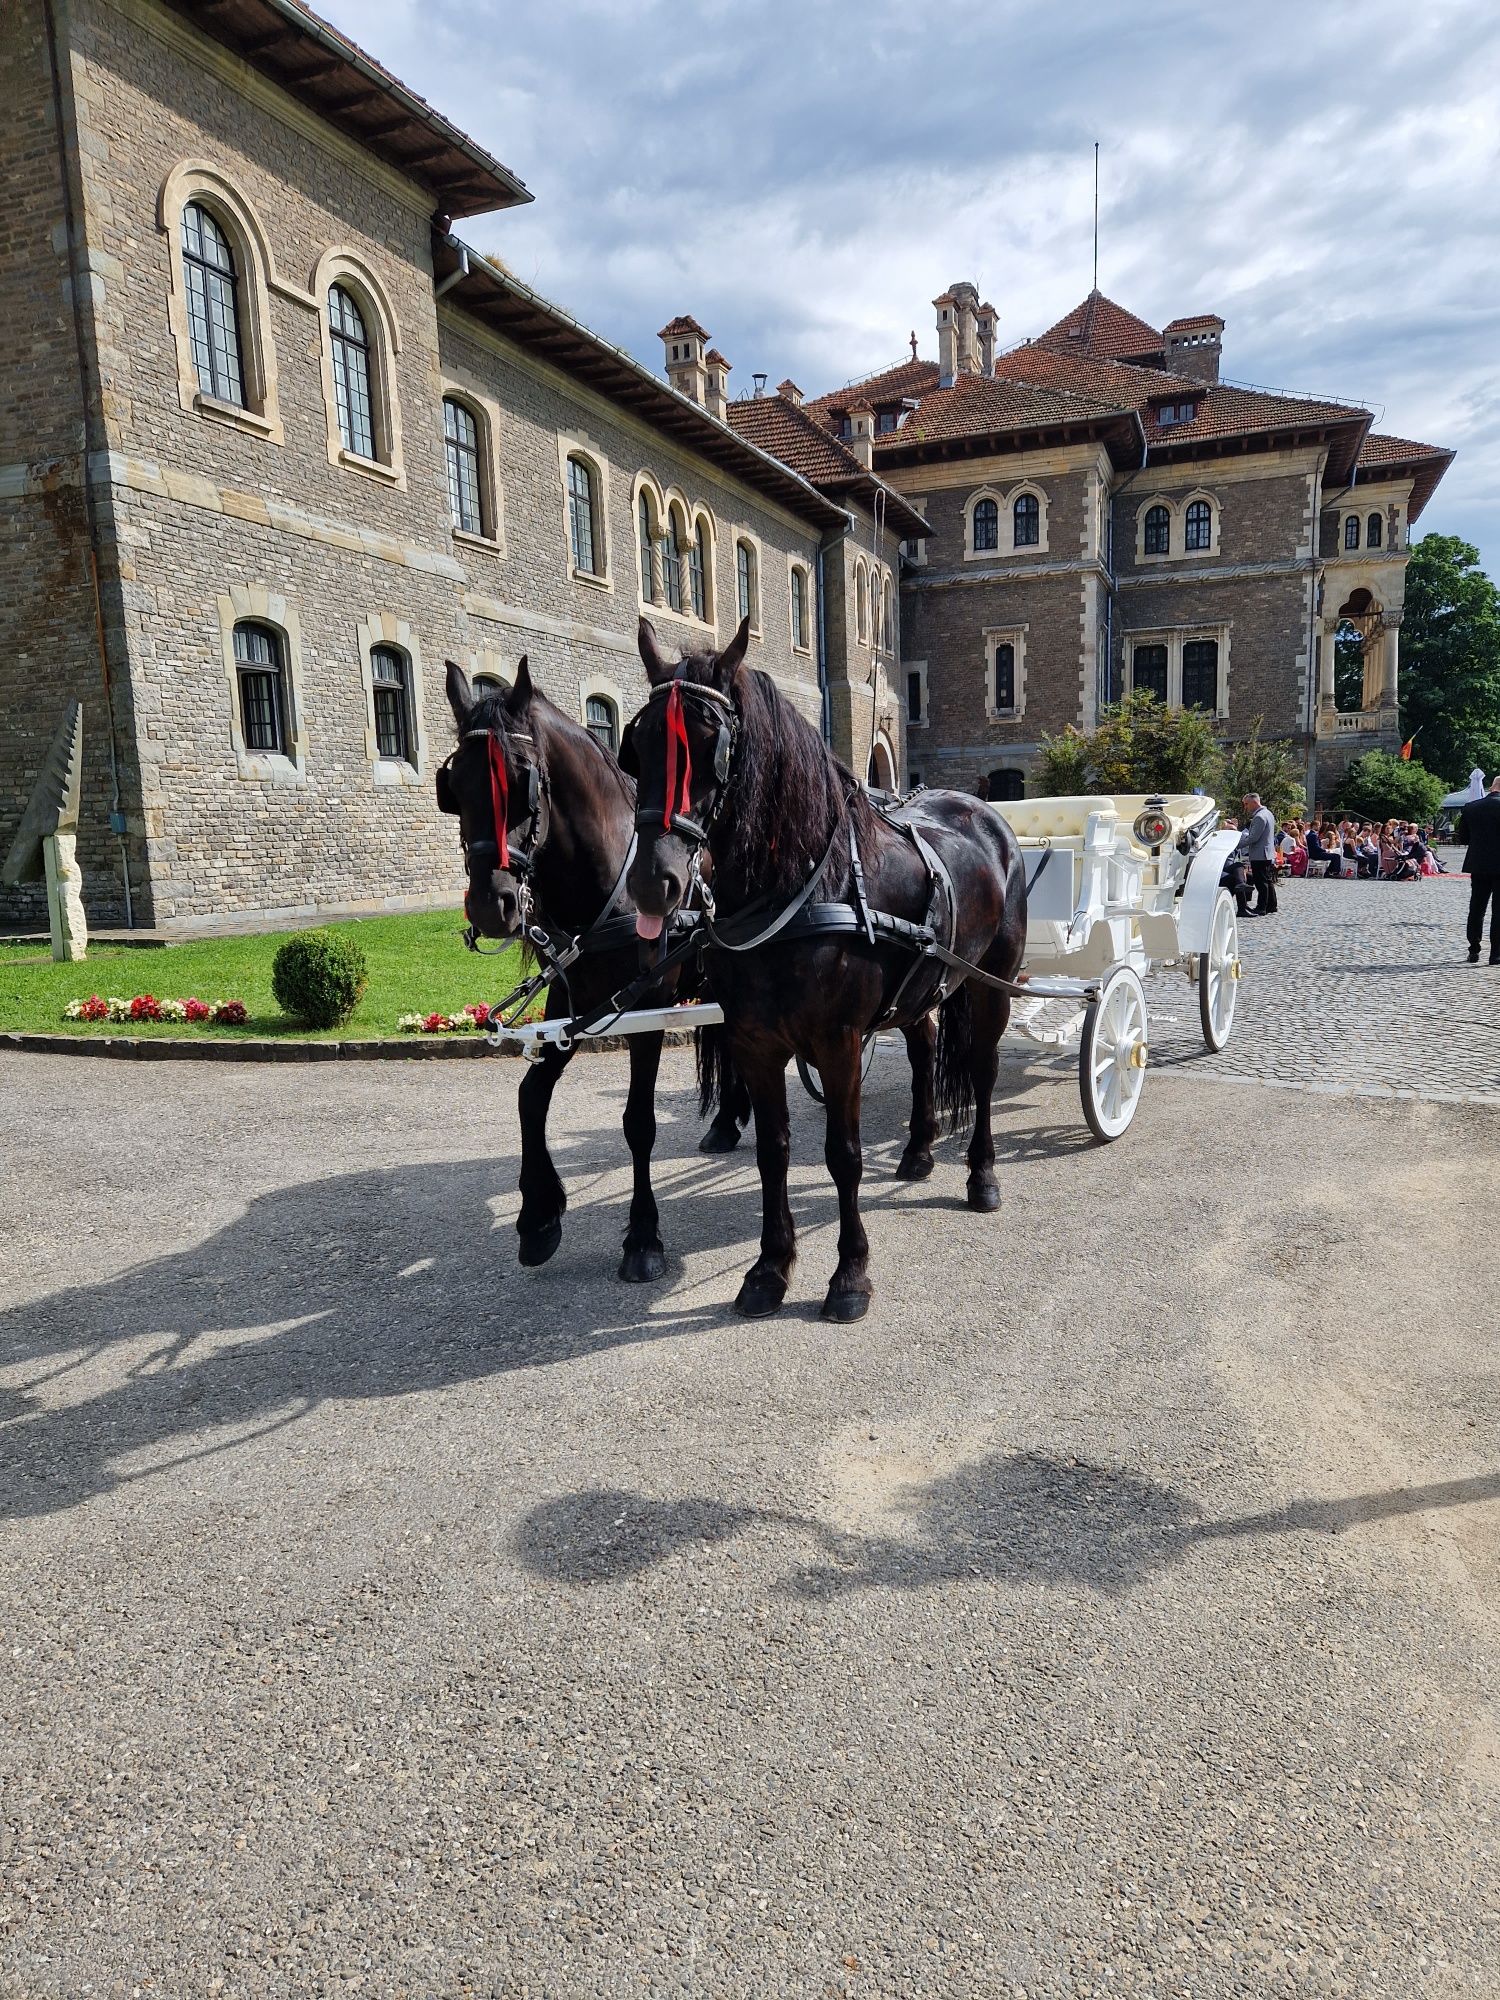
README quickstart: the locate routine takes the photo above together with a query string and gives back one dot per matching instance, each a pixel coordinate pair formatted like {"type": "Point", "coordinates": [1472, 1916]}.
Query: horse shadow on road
{"type": "Point", "coordinates": [385, 1283]}
{"type": "Point", "coordinates": [1014, 1518]}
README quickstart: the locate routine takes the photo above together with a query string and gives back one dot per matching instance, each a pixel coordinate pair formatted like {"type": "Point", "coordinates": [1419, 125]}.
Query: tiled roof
{"type": "Point", "coordinates": [909, 378]}
{"type": "Point", "coordinates": [683, 324]}
{"type": "Point", "coordinates": [1101, 328]}
{"type": "Point", "coordinates": [1191, 320]}
{"type": "Point", "coordinates": [776, 426]}
{"type": "Point", "coordinates": [975, 405]}
{"type": "Point", "coordinates": [1381, 449]}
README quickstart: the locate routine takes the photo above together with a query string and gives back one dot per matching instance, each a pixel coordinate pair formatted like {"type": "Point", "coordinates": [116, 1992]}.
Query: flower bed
{"type": "Point", "coordinates": [146, 1007]}
{"type": "Point", "coordinates": [472, 1020]}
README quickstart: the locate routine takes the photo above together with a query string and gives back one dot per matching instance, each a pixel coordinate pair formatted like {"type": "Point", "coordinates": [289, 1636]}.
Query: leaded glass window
{"type": "Point", "coordinates": [1200, 674]}
{"type": "Point", "coordinates": [602, 722]}
{"type": "Point", "coordinates": [581, 536]}
{"type": "Point", "coordinates": [1027, 514]}
{"type": "Point", "coordinates": [213, 303]}
{"type": "Point", "coordinates": [350, 342]}
{"type": "Point", "coordinates": [1158, 531]}
{"type": "Point", "coordinates": [260, 669]}
{"type": "Point", "coordinates": [1374, 532]}
{"type": "Point", "coordinates": [986, 525]}
{"type": "Point", "coordinates": [390, 673]}
{"type": "Point", "coordinates": [461, 440]}
{"type": "Point", "coordinates": [1198, 523]}
{"type": "Point", "coordinates": [1005, 676]}
{"type": "Point", "coordinates": [1149, 671]}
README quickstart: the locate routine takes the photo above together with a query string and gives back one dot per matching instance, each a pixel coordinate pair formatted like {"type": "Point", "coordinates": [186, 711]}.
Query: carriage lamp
{"type": "Point", "coordinates": [1152, 826]}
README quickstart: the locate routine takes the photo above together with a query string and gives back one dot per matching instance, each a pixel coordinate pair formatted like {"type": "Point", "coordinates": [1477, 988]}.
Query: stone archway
{"type": "Point", "coordinates": [880, 775]}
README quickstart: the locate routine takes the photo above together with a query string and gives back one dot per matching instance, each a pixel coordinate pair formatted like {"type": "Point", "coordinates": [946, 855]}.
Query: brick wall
{"type": "Point", "coordinates": [205, 510]}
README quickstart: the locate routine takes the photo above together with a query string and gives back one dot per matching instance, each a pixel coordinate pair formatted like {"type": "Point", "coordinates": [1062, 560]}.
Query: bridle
{"type": "Point", "coordinates": [517, 849]}
{"type": "Point", "coordinates": [674, 814]}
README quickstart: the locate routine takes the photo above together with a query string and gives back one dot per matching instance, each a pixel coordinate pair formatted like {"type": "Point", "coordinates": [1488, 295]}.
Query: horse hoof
{"type": "Point", "coordinates": [719, 1139]}
{"type": "Point", "coordinates": [643, 1267]}
{"type": "Point", "coordinates": [846, 1305]}
{"type": "Point", "coordinates": [984, 1197]}
{"type": "Point", "coordinates": [914, 1166]}
{"type": "Point", "coordinates": [537, 1245]}
{"type": "Point", "coordinates": [760, 1297]}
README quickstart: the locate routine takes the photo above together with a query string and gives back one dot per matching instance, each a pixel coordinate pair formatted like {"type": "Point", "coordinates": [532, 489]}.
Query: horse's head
{"type": "Point", "coordinates": [680, 749]}
{"type": "Point", "coordinates": [493, 784]}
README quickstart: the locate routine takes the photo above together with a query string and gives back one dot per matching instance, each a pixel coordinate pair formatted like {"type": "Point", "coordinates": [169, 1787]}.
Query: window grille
{"type": "Point", "coordinates": [351, 372]}
{"type": "Point", "coordinates": [1198, 523]}
{"type": "Point", "coordinates": [260, 669]}
{"type": "Point", "coordinates": [390, 673]}
{"type": "Point", "coordinates": [1200, 674]}
{"type": "Point", "coordinates": [213, 303]}
{"type": "Point", "coordinates": [986, 525]}
{"type": "Point", "coordinates": [1149, 671]}
{"type": "Point", "coordinates": [1028, 520]}
{"type": "Point", "coordinates": [1158, 531]}
{"type": "Point", "coordinates": [461, 439]}
{"type": "Point", "coordinates": [602, 722]}
{"type": "Point", "coordinates": [581, 538]}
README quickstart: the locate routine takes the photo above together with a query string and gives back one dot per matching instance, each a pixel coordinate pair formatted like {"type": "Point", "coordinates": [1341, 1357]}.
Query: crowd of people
{"type": "Point", "coordinates": [1397, 851]}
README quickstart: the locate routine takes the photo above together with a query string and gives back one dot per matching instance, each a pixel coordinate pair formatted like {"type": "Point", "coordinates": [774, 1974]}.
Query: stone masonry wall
{"type": "Point", "coordinates": [208, 511]}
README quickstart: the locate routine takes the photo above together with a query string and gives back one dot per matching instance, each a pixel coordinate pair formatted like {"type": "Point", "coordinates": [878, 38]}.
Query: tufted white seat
{"type": "Point", "coordinates": [1052, 819]}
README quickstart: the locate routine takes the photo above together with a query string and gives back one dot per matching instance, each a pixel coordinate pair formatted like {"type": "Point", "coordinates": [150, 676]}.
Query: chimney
{"type": "Point", "coordinates": [1194, 345]}
{"type": "Point", "coordinates": [687, 367]}
{"type": "Point", "coordinates": [790, 393]}
{"type": "Point", "coordinates": [947, 333]}
{"type": "Point", "coordinates": [966, 306]}
{"type": "Point", "coordinates": [984, 323]}
{"type": "Point", "coordinates": [862, 425]}
{"type": "Point", "coordinates": [716, 401]}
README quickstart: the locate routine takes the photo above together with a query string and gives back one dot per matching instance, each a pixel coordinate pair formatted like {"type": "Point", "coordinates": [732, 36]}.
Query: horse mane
{"type": "Point", "coordinates": [490, 712]}
{"type": "Point", "coordinates": [788, 794]}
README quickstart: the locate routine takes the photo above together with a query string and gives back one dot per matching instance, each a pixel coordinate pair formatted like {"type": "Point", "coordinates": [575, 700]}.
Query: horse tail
{"type": "Point", "coordinates": [953, 1076]}
{"type": "Point", "coordinates": [715, 1069]}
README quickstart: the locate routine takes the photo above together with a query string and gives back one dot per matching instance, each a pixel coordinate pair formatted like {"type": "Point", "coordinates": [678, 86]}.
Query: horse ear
{"type": "Point", "coordinates": [730, 661]}
{"type": "Point", "coordinates": [657, 669]}
{"type": "Point", "coordinates": [518, 698]}
{"type": "Point", "coordinates": [460, 694]}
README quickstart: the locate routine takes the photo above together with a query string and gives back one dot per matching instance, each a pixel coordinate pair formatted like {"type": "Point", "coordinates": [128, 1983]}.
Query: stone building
{"type": "Point", "coordinates": [276, 443]}
{"type": "Point", "coordinates": [1107, 513]}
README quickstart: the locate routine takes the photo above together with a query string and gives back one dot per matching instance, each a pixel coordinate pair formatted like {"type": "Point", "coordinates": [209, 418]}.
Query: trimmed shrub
{"type": "Point", "coordinates": [1263, 764]}
{"type": "Point", "coordinates": [318, 977]}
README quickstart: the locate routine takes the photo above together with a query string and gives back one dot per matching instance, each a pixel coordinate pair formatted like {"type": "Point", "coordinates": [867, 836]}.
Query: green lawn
{"type": "Point", "coordinates": [418, 965]}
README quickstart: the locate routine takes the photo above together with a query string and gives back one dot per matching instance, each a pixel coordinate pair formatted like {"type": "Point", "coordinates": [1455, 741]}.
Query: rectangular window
{"type": "Point", "coordinates": [913, 697]}
{"type": "Point", "coordinates": [1148, 673]}
{"type": "Point", "coordinates": [258, 662]}
{"type": "Point", "coordinates": [389, 674]}
{"type": "Point", "coordinates": [1200, 674]}
{"type": "Point", "coordinates": [581, 517]}
{"type": "Point", "coordinates": [742, 569]}
{"type": "Point", "coordinates": [695, 573]}
{"type": "Point", "coordinates": [461, 439]}
{"type": "Point", "coordinates": [799, 608]}
{"type": "Point", "coordinates": [1005, 676]}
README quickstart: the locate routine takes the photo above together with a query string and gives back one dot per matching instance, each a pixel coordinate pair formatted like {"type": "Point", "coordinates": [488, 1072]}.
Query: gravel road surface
{"type": "Point", "coordinates": [1115, 1611]}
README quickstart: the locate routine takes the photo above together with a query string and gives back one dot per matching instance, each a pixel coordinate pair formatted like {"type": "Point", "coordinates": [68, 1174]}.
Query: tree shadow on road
{"type": "Point", "coordinates": [1008, 1518]}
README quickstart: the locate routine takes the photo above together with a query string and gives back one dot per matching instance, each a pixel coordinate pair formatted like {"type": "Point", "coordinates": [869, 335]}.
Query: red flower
{"type": "Point", "coordinates": [231, 1013]}
{"type": "Point", "coordinates": [197, 1010]}
{"type": "Point", "coordinates": [144, 1008]}
{"type": "Point", "coordinates": [434, 1024]}
{"type": "Point", "coordinates": [94, 1009]}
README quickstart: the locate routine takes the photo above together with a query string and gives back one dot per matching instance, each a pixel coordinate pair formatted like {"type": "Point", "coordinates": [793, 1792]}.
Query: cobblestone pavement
{"type": "Point", "coordinates": [1352, 986]}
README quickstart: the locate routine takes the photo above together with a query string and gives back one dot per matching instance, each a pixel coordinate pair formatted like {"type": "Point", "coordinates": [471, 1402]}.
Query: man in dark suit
{"type": "Point", "coordinates": [1480, 827]}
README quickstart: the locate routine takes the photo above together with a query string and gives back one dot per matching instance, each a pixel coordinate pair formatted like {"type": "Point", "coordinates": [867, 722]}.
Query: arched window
{"type": "Point", "coordinates": [213, 303]}
{"type": "Point", "coordinates": [1198, 524]}
{"type": "Point", "coordinates": [390, 677]}
{"type": "Point", "coordinates": [260, 669]}
{"type": "Point", "coordinates": [861, 604]}
{"type": "Point", "coordinates": [799, 608]}
{"type": "Point", "coordinates": [746, 582]}
{"type": "Point", "coordinates": [465, 484]}
{"type": "Point", "coordinates": [603, 721]}
{"type": "Point", "coordinates": [1351, 531]}
{"type": "Point", "coordinates": [1374, 530]}
{"type": "Point", "coordinates": [1005, 676]}
{"type": "Point", "coordinates": [697, 569]}
{"type": "Point", "coordinates": [986, 525]}
{"type": "Point", "coordinates": [646, 539]}
{"type": "Point", "coordinates": [1200, 674]}
{"type": "Point", "coordinates": [672, 553]}
{"type": "Point", "coordinates": [350, 343]}
{"type": "Point", "coordinates": [1027, 514]}
{"type": "Point", "coordinates": [583, 539]}
{"type": "Point", "coordinates": [1148, 671]}
{"type": "Point", "coordinates": [1158, 538]}
{"type": "Point", "coordinates": [887, 617]}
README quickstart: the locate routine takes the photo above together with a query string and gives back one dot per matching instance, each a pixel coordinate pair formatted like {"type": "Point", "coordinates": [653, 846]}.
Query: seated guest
{"type": "Point", "coordinates": [1318, 850]}
{"type": "Point", "coordinates": [1367, 854]}
{"type": "Point", "coordinates": [1394, 865]}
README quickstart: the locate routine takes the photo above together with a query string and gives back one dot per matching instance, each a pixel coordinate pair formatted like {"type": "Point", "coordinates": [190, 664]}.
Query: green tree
{"type": "Point", "coordinates": [1381, 785]}
{"type": "Point", "coordinates": [1450, 658]}
{"type": "Point", "coordinates": [1064, 771]}
{"type": "Point", "coordinates": [1266, 765]}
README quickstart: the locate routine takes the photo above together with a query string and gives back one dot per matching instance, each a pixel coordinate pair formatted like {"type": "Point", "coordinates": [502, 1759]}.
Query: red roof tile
{"type": "Point", "coordinates": [1191, 320]}
{"type": "Point", "coordinates": [890, 385]}
{"type": "Point", "coordinates": [684, 323]}
{"type": "Point", "coordinates": [777, 426]}
{"type": "Point", "coordinates": [1381, 449]}
{"type": "Point", "coordinates": [1100, 328]}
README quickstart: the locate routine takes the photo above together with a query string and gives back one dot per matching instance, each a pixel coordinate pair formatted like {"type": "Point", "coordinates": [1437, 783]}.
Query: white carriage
{"type": "Point", "coordinates": [1116, 888]}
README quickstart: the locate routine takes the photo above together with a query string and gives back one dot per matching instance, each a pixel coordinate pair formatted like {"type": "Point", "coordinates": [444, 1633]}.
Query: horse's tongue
{"type": "Point", "coordinates": [647, 927]}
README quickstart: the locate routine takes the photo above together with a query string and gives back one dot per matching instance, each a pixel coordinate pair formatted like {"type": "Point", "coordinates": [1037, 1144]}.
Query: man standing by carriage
{"type": "Point", "coordinates": [1259, 848]}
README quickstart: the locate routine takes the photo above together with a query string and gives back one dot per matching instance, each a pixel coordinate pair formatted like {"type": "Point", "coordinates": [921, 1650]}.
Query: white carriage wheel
{"type": "Point", "coordinates": [1112, 1054]}
{"type": "Point", "coordinates": [1219, 972]}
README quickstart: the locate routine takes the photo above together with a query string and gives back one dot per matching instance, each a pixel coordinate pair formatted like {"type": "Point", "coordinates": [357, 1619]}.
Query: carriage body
{"type": "Point", "coordinates": [1117, 887]}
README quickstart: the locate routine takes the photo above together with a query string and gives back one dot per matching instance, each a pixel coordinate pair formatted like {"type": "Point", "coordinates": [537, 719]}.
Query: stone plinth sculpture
{"type": "Point", "coordinates": [45, 848]}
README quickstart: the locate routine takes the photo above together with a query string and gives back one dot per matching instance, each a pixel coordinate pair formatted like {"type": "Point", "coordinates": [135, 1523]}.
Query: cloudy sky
{"type": "Point", "coordinates": [805, 177]}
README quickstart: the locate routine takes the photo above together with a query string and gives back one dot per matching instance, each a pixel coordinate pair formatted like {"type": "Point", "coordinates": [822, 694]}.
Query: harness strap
{"type": "Point", "coordinates": [679, 799]}
{"type": "Point", "coordinates": [779, 923]}
{"type": "Point", "coordinates": [499, 795]}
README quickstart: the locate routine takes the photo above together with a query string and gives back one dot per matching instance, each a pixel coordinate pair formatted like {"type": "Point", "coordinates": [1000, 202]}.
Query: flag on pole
{"type": "Point", "coordinates": [1406, 748]}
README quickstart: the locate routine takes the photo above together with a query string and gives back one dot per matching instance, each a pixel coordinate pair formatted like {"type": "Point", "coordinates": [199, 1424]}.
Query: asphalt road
{"type": "Point", "coordinates": [1116, 1610]}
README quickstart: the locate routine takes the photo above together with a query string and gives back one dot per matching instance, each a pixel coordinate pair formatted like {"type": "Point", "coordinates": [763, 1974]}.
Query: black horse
{"type": "Point", "coordinates": [546, 816]}
{"type": "Point", "coordinates": [726, 764]}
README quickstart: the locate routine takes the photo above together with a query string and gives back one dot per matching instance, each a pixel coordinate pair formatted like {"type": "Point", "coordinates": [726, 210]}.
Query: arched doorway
{"type": "Point", "coordinates": [881, 774]}
{"type": "Point", "coordinates": [1358, 643]}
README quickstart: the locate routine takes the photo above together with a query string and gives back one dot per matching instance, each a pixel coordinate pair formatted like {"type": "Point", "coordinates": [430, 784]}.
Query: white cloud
{"type": "Point", "coordinates": [804, 178]}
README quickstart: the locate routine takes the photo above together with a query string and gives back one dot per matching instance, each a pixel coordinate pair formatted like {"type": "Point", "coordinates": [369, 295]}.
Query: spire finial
{"type": "Point", "coordinates": [1096, 215]}
{"type": "Point", "coordinates": [914, 343]}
